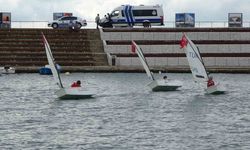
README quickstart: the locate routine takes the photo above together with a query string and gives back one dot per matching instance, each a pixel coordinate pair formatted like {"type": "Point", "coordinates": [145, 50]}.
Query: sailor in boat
{"type": "Point", "coordinates": [76, 84]}
{"type": "Point", "coordinates": [165, 78]}
{"type": "Point", "coordinates": [6, 68]}
{"type": "Point", "coordinates": [58, 67]}
{"type": "Point", "coordinates": [210, 81]}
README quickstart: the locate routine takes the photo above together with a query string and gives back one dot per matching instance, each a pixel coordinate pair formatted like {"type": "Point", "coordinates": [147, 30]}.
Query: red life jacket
{"type": "Point", "coordinates": [210, 83]}
{"type": "Point", "coordinates": [75, 85]}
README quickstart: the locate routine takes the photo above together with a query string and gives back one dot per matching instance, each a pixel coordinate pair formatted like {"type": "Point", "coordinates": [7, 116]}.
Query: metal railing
{"type": "Point", "coordinates": [29, 24]}
{"type": "Point", "coordinates": [91, 24]}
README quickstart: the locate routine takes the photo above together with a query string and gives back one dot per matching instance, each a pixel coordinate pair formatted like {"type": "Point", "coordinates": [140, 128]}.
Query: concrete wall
{"type": "Point", "coordinates": [236, 42]}
{"type": "Point", "coordinates": [213, 35]}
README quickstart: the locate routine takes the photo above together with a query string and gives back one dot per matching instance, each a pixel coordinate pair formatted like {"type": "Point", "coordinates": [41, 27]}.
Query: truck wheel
{"type": "Point", "coordinates": [54, 25]}
{"type": "Point", "coordinates": [146, 24]}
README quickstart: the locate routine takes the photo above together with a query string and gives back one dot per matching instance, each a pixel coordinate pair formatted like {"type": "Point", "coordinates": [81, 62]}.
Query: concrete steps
{"type": "Point", "coordinates": [24, 47]}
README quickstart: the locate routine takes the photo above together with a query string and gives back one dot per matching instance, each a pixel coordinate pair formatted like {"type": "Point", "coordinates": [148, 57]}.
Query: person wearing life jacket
{"type": "Point", "coordinates": [210, 81]}
{"type": "Point", "coordinates": [76, 84]}
{"type": "Point", "coordinates": [165, 77]}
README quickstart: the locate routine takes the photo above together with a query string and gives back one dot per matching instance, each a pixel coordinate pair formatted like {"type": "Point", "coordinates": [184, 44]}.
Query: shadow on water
{"type": "Point", "coordinates": [93, 98]}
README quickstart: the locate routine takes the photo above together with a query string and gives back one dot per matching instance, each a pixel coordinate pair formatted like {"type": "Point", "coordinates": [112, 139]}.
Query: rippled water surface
{"type": "Point", "coordinates": [124, 115]}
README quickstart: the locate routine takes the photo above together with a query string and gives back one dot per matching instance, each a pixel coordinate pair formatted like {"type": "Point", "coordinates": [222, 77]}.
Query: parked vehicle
{"type": "Point", "coordinates": [68, 21]}
{"type": "Point", "coordinates": [127, 15]}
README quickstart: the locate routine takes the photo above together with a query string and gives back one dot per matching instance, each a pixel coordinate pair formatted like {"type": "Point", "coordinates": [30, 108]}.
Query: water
{"type": "Point", "coordinates": [124, 115]}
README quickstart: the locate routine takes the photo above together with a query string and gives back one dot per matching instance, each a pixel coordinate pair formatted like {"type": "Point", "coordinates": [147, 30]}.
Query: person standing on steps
{"type": "Point", "coordinates": [97, 21]}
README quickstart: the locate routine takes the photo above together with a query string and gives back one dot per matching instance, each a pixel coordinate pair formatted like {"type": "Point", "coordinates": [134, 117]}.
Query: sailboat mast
{"type": "Point", "coordinates": [197, 55]}
{"type": "Point", "coordinates": [58, 74]}
{"type": "Point", "coordinates": [51, 62]}
{"type": "Point", "coordinates": [143, 60]}
{"type": "Point", "coordinates": [146, 63]}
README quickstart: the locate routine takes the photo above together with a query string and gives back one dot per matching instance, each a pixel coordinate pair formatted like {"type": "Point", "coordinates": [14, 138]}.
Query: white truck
{"type": "Point", "coordinates": [127, 15]}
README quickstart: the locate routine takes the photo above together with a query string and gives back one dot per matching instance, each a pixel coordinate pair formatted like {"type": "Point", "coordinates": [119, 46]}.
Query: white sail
{"type": "Point", "coordinates": [142, 59]}
{"type": "Point", "coordinates": [194, 59]}
{"type": "Point", "coordinates": [51, 61]}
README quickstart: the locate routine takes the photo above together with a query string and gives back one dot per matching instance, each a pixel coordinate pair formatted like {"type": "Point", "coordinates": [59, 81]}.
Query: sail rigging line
{"type": "Point", "coordinates": [202, 61]}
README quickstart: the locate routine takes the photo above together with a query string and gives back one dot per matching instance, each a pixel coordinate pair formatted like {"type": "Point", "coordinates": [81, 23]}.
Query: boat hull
{"type": "Point", "coordinates": [215, 90]}
{"type": "Point", "coordinates": [45, 71]}
{"type": "Point", "coordinates": [74, 93]}
{"type": "Point", "coordinates": [9, 70]}
{"type": "Point", "coordinates": [163, 85]}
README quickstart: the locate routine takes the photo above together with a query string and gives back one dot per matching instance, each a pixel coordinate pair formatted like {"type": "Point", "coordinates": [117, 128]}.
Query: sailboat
{"type": "Point", "coordinates": [197, 66]}
{"type": "Point", "coordinates": [159, 84]}
{"type": "Point", "coordinates": [64, 92]}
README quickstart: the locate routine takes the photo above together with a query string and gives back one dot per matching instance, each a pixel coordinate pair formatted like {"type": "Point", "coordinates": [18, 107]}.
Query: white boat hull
{"type": "Point", "coordinates": [74, 93]}
{"type": "Point", "coordinates": [164, 85]}
{"type": "Point", "coordinates": [215, 89]}
{"type": "Point", "coordinates": [10, 70]}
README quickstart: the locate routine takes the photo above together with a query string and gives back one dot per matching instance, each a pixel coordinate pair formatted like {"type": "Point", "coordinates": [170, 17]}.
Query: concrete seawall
{"type": "Point", "coordinates": [223, 49]}
{"type": "Point", "coordinates": [118, 69]}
